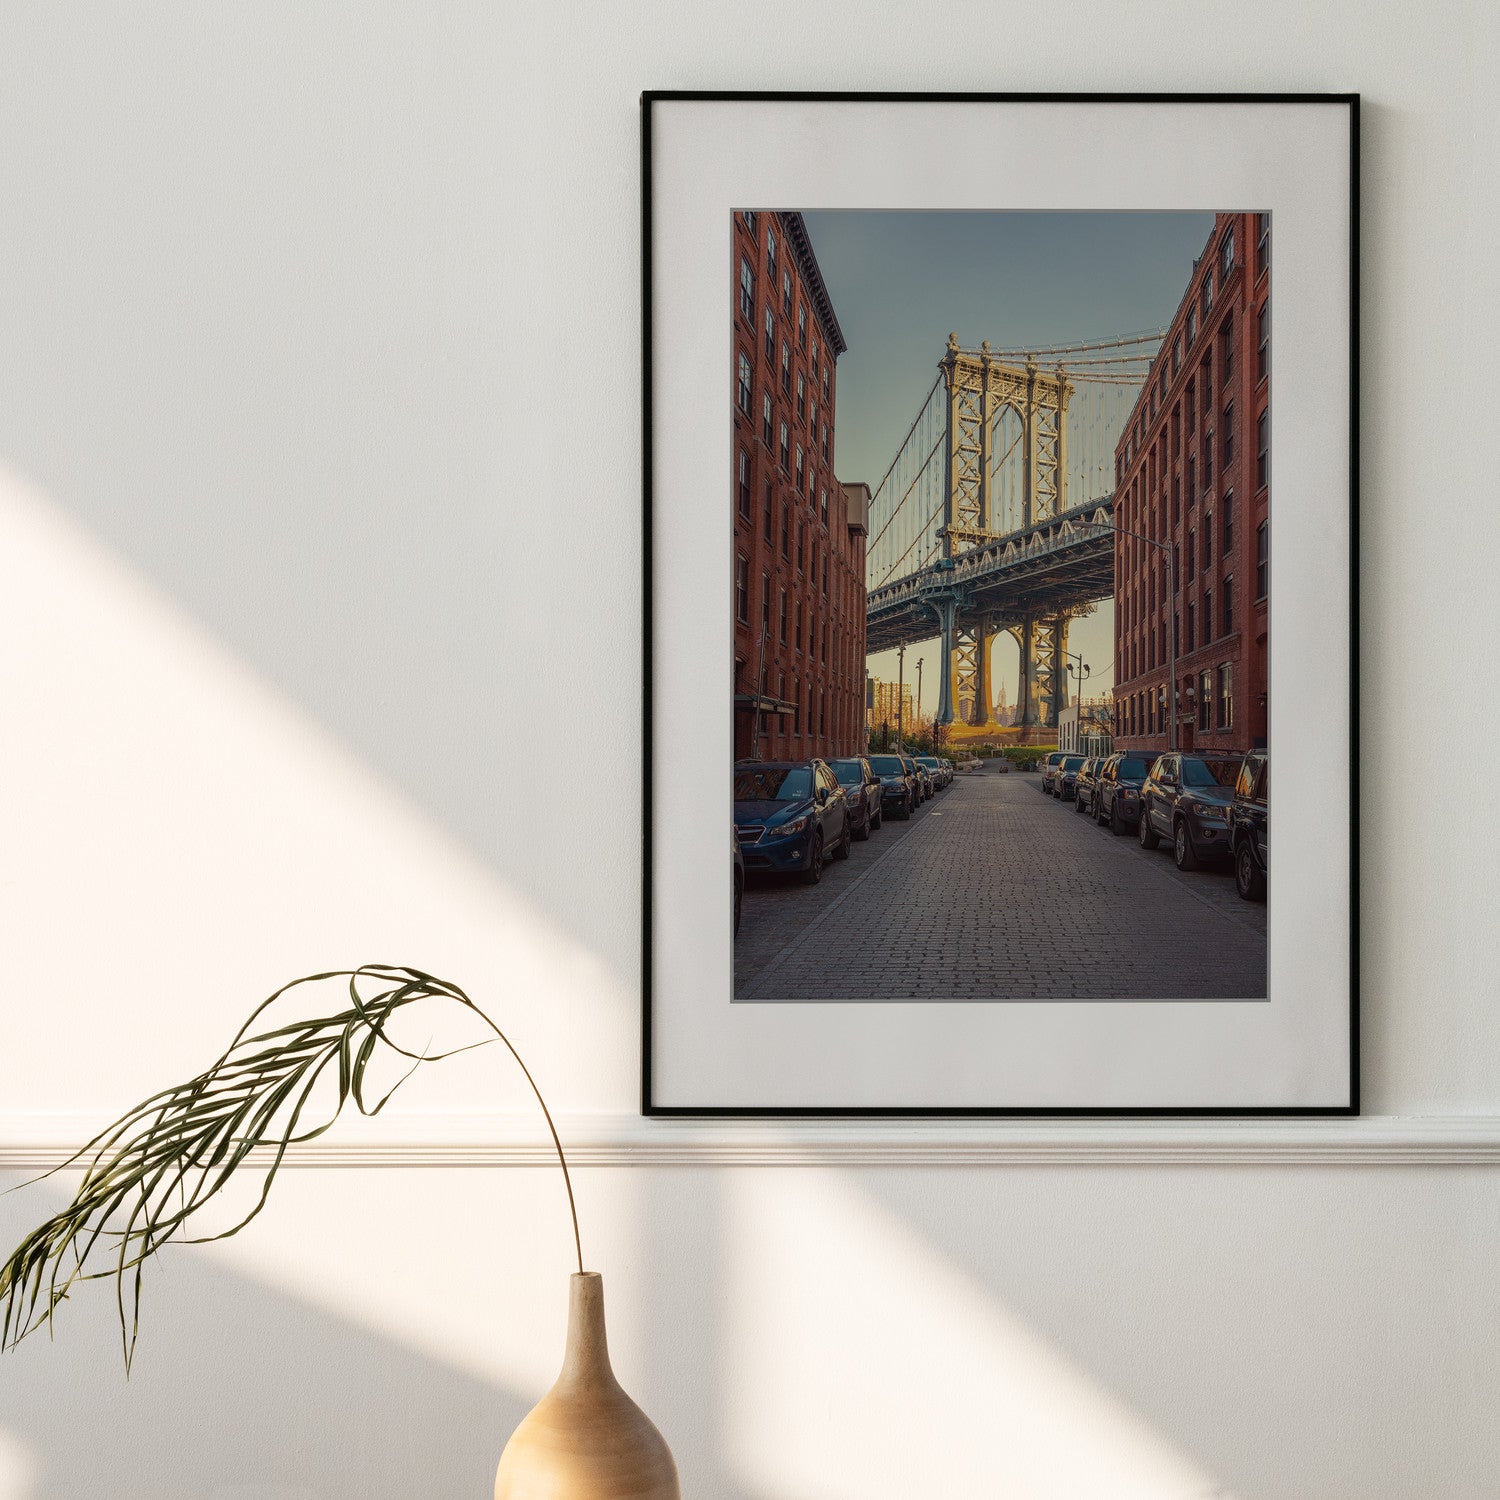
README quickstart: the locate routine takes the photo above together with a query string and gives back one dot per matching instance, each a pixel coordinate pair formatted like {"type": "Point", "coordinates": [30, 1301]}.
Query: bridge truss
{"type": "Point", "coordinates": [993, 517]}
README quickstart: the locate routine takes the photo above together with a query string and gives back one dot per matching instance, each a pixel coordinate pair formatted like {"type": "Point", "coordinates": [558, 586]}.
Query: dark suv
{"type": "Point", "coordinates": [1117, 791]}
{"type": "Point", "coordinates": [1249, 825]}
{"type": "Point", "coordinates": [862, 787]}
{"type": "Point", "coordinates": [788, 815]}
{"type": "Point", "coordinates": [1186, 799]}
{"type": "Point", "coordinates": [1065, 783]}
{"type": "Point", "coordinates": [898, 786]}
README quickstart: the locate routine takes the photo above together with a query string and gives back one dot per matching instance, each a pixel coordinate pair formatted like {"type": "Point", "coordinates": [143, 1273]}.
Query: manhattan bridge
{"type": "Point", "coordinates": [994, 516]}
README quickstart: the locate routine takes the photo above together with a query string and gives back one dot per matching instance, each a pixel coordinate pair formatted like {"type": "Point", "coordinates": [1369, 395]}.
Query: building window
{"type": "Point", "coordinates": [1192, 555]}
{"type": "Point", "coordinates": [1192, 325]}
{"type": "Point", "coordinates": [799, 467]}
{"type": "Point", "coordinates": [1190, 622]}
{"type": "Point", "coordinates": [1226, 695]}
{"type": "Point", "coordinates": [1226, 606]}
{"type": "Point", "coordinates": [771, 267]}
{"type": "Point", "coordinates": [765, 605]}
{"type": "Point", "coordinates": [786, 293]}
{"type": "Point", "coordinates": [797, 637]}
{"type": "Point", "coordinates": [812, 415]}
{"type": "Point", "coordinates": [1208, 459]}
{"type": "Point", "coordinates": [1192, 483]}
{"type": "Point", "coordinates": [782, 619]}
{"type": "Point", "coordinates": [1226, 531]}
{"type": "Point", "coordinates": [742, 590]}
{"type": "Point", "coordinates": [786, 535]}
{"type": "Point", "coordinates": [770, 334]}
{"type": "Point", "coordinates": [823, 505]}
{"type": "Point", "coordinates": [742, 389]}
{"type": "Point", "coordinates": [768, 519]}
{"type": "Point", "coordinates": [1176, 349]}
{"type": "Point", "coordinates": [1226, 253]}
{"type": "Point", "coordinates": [1226, 345]}
{"type": "Point", "coordinates": [1208, 615]}
{"type": "Point", "coordinates": [802, 328]}
{"type": "Point", "coordinates": [1205, 700]}
{"type": "Point", "coordinates": [1226, 439]}
{"type": "Point", "coordinates": [749, 217]}
{"type": "Point", "coordinates": [1262, 560]}
{"type": "Point", "coordinates": [744, 484]}
{"type": "Point", "coordinates": [1262, 244]}
{"type": "Point", "coordinates": [1207, 300]}
{"type": "Point", "coordinates": [765, 418]}
{"type": "Point", "coordinates": [1208, 541]}
{"type": "Point", "coordinates": [786, 447]}
{"type": "Point", "coordinates": [801, 396]}
{"type": "Point", "coordinates": [1192, 409]}
{"type": "Point", "coordinates": [747, 291]}
{"type": "Point", "coordinates": [1263, 449]}
{"type": "Point", "coordinates": [786, 367]}
{"type": "Point", "coordinates": [1176, 633]}
{"type": "Point", "coordinates": [825, 440]}
{"type": "Point", "coordinates": [1206, 387]}
{"type": "Point", "coordinates": [1263, 343]}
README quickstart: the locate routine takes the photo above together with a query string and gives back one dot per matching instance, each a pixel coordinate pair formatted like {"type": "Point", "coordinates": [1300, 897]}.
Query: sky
{"type": "Point", "coordinates": [900, 282]}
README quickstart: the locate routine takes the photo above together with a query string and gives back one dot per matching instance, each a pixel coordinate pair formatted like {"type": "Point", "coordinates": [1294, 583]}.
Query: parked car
{"type": "Point", "coordinates": [739, 877]}
{"type": "Point", "coordinates": [1048, 769]}
{"type": "Point", "coordinates": [925, 788]}
{"type": "Point", "coordinates": [863, 789]}
{"type": "Point", "coordinates": [1065, 782]}
{"type": "Point", "coordinates": [935, 769]}
{"type": "Point", "coordinates": [1249, 825]}
{"type": "Point", "coordinates": [898, 788]}
{"type": "Point", "coordinates": [950, 768]}
{"type": "Point", "coordinates": [789, 814]}
{"type": "Point", "coordinates": [1117, 791]}
{"type": "Point", "coordinates": [1083, 788]}
{"type": "Point", "coordinates": [1186, 799]}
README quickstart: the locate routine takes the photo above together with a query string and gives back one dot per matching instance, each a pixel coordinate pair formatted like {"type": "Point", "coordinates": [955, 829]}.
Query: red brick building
{"type": "Point", "coordinates": [799, 535]}
{"type": "Point", "coordinates": [1192, 469]}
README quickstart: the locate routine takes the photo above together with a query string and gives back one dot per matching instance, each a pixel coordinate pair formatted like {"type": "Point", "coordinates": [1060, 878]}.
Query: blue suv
{"type": "Point", "coordinates": [790, 815]}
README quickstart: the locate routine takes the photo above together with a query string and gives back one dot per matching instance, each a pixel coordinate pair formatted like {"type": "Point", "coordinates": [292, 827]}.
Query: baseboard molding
{"type": "Point", "coordinates": [38, 1142]}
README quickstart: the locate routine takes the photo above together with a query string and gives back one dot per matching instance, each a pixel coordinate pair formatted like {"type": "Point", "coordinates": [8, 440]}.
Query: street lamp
{"type": "Point", "coordinates": [1081, 671]}
{"type": "Point", "coordinates": [1165, 548]}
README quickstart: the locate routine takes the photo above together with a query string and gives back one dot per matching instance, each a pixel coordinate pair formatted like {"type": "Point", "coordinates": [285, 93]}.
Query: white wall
{"type": "Point", "coordinates": [319, 457]}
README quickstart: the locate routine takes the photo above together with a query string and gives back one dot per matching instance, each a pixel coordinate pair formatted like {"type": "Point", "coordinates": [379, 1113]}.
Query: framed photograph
{"type": "Point", "coordinates": [971, 622]}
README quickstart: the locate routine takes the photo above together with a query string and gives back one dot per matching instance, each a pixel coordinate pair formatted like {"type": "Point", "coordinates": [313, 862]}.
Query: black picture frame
{"type": "Point", "coordinates": [650, 1105]}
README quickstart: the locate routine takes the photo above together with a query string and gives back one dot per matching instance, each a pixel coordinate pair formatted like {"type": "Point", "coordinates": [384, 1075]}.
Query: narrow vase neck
{"type": "Point", "coordinates": [587, 1355]}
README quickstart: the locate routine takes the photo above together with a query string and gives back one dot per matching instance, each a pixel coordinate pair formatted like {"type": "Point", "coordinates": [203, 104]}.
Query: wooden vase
{"type": "Point", "coordinates": [586, 1439]}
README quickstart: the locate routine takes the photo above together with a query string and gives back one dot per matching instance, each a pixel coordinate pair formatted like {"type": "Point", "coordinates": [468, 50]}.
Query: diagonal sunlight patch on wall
{"type": "Point", "coordinates": [846, 1324]}
{"type": "Point", "coordinates": [18, 1468]}
{"type": "Point", "coordinates": [179, 841]}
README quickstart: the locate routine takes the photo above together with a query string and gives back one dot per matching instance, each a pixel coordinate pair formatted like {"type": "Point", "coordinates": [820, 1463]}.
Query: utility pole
{"type": "Point", "coordinates": [900, 691]}
{"type": "Point", "coordinates": [919, 695]}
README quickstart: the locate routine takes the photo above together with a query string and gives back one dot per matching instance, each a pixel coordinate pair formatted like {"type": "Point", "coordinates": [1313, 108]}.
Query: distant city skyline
{"type": "Point", "coordinates": [901, 282]}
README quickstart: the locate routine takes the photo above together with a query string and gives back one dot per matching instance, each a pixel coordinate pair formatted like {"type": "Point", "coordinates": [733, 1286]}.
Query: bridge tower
{"type": "Point", "coordinates": [980, 388]}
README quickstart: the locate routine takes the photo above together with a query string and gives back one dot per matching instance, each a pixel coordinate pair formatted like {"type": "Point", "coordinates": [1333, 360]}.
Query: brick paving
{"type": "Point", "coordinates": [995, 892]}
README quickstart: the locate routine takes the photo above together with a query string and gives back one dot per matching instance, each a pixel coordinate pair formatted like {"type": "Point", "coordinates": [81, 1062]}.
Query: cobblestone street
{"type": "Point", "coordinates": [994, 891]}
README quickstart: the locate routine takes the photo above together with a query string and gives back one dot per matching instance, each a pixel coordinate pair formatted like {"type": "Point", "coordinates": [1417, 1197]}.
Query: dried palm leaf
{"type": "Point", "coordinates": [152, 1173]}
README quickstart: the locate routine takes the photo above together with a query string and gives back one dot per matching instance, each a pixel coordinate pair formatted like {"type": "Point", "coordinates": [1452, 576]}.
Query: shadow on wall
{"type": "Point", "coordinates": [238, 1392]}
